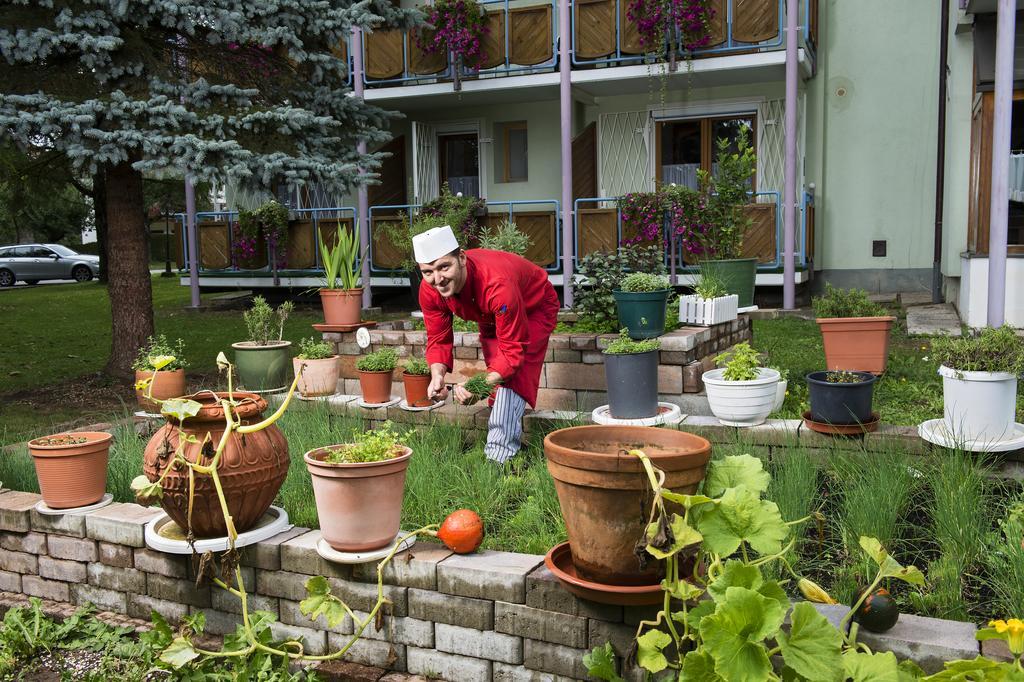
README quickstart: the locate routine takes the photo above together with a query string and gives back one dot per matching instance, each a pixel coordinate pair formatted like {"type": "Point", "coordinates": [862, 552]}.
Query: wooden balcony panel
{"type": "Point", "coordinates": [539, 226]}
{"type": "Point", "coordinates": [341, 51]}
{"type": "Point", "coordinates": [179, 252]}
{"type": "Point", "coordinates": [421, 63]}
{"type": "Point", "coordinates": [759, 241]}
{"type": "Point", "coordinates": [385, 254]}
{"type": "Point", "coordinates": [629, 34]}
{"type": "Point", "coordinates": [814, 21]}
{"type": "Point", "coordinates": [300, 250]}
{"type": "Point", "coordinates": [493, 43]}
{"type": "Point", "coordinates": [595, 28]}
{"type": "Point", "coordinates": [755, 21]}
{"type": "Point", "coordinates": [384, 54]}
{"type": "Point", "coordinates": [214, 245]}
{"type": "Point", "coordinates": [529, 36]}
{"type": "Point", "coordinates": [718, 26]}
{"type": "Point", "coordinates": [598, 230]}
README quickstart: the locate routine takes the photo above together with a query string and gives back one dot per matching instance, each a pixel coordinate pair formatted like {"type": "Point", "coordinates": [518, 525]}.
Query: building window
{"type": "Point", "coordinates": [512, 143]}
{"type": "Point", "coordinates": [688, 145]}
{"type": "Point", "coordinates": [460, 163]}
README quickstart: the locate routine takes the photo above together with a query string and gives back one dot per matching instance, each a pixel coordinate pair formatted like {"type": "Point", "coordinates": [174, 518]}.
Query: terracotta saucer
{"type": "Point", "coordinates": [341, 328]}
{"type": "Point", "coordinates": [559, 562]}
{"type": "Point", "coordinates": [842, 429]}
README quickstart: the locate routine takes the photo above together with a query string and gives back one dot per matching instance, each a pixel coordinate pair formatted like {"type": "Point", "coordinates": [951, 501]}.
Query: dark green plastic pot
{"type": "Point", "coordinates": [263, 368]}
{"type": "Point", "coordinates": [642, 314]}
{"type": "Point", "coordinates": [738, 274]}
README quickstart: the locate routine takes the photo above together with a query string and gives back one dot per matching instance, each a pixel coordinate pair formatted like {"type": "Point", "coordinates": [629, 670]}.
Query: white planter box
{"type": "Point", "coordinates": [707, 312]}
{"type": "Point", "coordinates": [742, 403]}
{"type": "Point", "coordinates": [979, 406]}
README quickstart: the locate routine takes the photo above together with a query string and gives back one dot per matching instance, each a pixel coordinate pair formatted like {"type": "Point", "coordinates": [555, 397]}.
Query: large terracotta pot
{"type": "Point", "coordinates": [166, 385]}
{"type": "Point", "coordinates": [342, 306]}
{"type": "Point", "coordinates": [859, 344]}
{"type": "Point", "coordinates": [376, 386]}
{"type": "Point", "coordinates": [605, 495]}
{"type": "Point", "coordinates": [317, 377]}
{"type": "Point", "coordinates": [73, 474]}
{"type": "Point", "coordinates": [416, 389]}
{"type": "Point", "coordinates": [359, 505]}
{"type": "Point", "coordinates": [251, 470]}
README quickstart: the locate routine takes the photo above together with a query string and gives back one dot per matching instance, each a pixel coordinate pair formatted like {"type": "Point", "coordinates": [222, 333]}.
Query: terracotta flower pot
{"type": "Point", "coordinates": [251, 470]}
{"type": "Point", "coordinates": [317, 377]}
{"type": "Point", "coordinates": [73, 474]}
{"type": "Point", "coordinates": [342, 306]}
{"type": "Point", "coordinates": [166, 385]}
{"type": "Point", "coordinates": [858, 344]}
{"type": "Point", "coordinates": [416, 389]}
{"type": "Point", "coordinates": [376, 386]}
{"type": "Point", "coordinates": [605, 496]}
{"type": "Point", "coordinates": [359, 505]}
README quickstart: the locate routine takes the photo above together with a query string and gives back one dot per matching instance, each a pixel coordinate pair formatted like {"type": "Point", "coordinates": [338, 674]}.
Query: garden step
{"type": "Point", "coordinates": [933, 320]}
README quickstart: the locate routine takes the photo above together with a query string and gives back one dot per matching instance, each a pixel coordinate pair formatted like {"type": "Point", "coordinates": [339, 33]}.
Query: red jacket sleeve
{"type": "Point", "coordinates": [438, 321]}
{"type": "Point", "coordinates": [511, 329]}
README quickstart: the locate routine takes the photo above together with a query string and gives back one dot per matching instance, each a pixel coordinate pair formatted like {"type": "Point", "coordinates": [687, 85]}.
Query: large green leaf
{"type": "Point", "coordinates": [733, 471]}
{"type": "Point", "coordinates": [179, 653]}
{"type": "Point", "coordinates": [890, 568]}
{"type": "Point", "coordinates": [687, 501]}
{"type": "Point", "coordinates": [694, 615]}
{"type": "Point", "coordinates": [649, 648]}
{"type": "Point", "coordinates": [813, 646]}
{"type": "Point", "coordinates": [601, 663]}
{"type": "Point", "coordinates": [682, 533]}
{"type": "Point", "coordinates": [321, 602]}
{"type": "Point", "coordinates": [683, 590]}
{"type": "Point", "coordinates": [979, 669]}
{"type": "Point", "coordinates": [742, 516]}
{"type": "Point", "coordinates": [699, 666]}
{"type": "Point", "coordinates": [738, 574]}
{"type": "Point", "coordinates": [180, 408]}
{"type": "Point", "coordinates": [734, 633]}
{"type": "Point", "coordinates": [861, 667]}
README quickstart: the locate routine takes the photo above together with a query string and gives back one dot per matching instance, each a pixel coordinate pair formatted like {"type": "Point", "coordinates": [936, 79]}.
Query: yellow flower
{"type": "Point", "coordinates": [813, 592]}
{"type": "Point", "coordinates": [143, 384]}
{"type": "Point", "coordinates": [924, 347]}
{"type": "Point", "coordinates": [1013, 632]}
{"type": "Point", "coordinates": [903, 378]}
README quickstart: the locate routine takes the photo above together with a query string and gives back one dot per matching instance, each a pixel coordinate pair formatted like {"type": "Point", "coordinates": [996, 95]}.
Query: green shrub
{"type": "Point", "coordinates": [377, 445]}
{"type": "Point", "coordinates": [260, 321]}
{"type": "Point", "coordinates": [311, 349]}
{"type": "Point", "coordinates": [741, 363]}
{"type": "Point", "coordinates": [417, 367]}
{"type": "Point", "coordinates": [627, 346]}
{"type": "Point", "coordinates": [846, 303]}
{"type": "Point", "coordinates": [505, 237]}
{"type": "Point", "coordinates": [383, 360]}
{"type": "Point", "coordinates": [709, 284]}
{"type": "Point", "coordinates": [157, 346]}
{"type": "Point", "coordinates": [993, 350]}
{"type": "Point", "coordinates": [600, 274]}
{"type": "Point", "coordinates": [642, 282]}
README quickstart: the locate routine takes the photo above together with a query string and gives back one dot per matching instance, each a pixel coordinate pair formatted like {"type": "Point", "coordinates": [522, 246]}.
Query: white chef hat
{"type": "Point", "coordinates": [428, 246]}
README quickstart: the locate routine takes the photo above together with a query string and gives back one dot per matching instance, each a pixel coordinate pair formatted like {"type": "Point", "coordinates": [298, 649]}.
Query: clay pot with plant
{"type": "Point", "coordinates": [169, 380]}
{"type": "Point", "coordinates": [262, 361]}
{"type": "Point", "coordinates": [631, 374]}
{"type": "Point", "coordinates": [71, 467]}
{"type": "Point", "coordinates": [742, 393]}
{"type": "Point", "coordinates": [359, 487]}
{"type": "Point", "coordinates": [341, 296]}
{"type": "Point", "coordinates": [841, 397]}
{"type": "Point", "coordinates": [316, 367]}
{"type": "Point", "coordinates": [416, 379]}
{"type": "Point", "coordinates": [640, 301]}
{"type": "Point", "coordinates": [376, 375]}
{"type": "Point", "coordinates": [854, 330]}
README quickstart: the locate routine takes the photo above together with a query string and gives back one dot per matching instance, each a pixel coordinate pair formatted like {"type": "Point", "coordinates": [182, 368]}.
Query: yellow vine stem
{"type": "Point", "coordinates": [252, 428]}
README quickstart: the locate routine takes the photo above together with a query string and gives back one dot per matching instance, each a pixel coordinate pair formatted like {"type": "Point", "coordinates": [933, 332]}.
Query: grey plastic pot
{"type": "Point", "coordinates": [632, 384]}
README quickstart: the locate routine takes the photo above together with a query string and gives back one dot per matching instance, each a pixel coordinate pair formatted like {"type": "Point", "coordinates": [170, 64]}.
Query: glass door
{"type": "Point", "coordinates": [460, 163]}
{"type": "Point", "coordinates": [687, 145]}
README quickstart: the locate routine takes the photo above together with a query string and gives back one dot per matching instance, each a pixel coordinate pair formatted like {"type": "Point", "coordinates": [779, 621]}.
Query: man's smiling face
{"type": "Point", "coordinates": [447, 274]}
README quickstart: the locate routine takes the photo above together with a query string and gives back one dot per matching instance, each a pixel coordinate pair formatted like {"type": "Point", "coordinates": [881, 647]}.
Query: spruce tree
{"type": "Point", "coordinates": [252, 93]}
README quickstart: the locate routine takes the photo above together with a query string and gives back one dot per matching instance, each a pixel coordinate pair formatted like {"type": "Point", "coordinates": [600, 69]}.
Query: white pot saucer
{"type": "Point", "coordinates": [42, 508]}
{"type": "Point", "coordinates": [315, 398]}
{"type": "Point", "coordinates": [371, 406]}
{"type": "Point", "coordinates": [668, 413]}
{"type": "Point", "coordinates": [331, 554]}
{"type": "Point", "coordinates": [165, 535]}
{"type": "Point", "coordinates": [935, 431]}
{"type": "Point", "coordinates": [427, 408]}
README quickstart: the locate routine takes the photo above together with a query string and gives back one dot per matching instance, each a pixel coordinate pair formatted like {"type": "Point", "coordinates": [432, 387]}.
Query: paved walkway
{"type": "Point", "coordinates": [933, 320]}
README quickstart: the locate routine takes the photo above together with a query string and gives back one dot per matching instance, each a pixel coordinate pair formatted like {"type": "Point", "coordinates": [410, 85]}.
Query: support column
{"type": "Point", "coordinates": [789, 199]}
{"type": "Point", "coordinates": [1005, 28]}
{"type": "Point", "coordinates": [565, 107]}
{"type": "Point", "coordinates": [193, 240]}
{"type": "Point", "coordinates": [362, 199]}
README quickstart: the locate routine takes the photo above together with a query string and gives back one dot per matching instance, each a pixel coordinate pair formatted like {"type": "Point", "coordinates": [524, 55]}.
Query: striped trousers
{"type": "Point", "coordinates": [505, 426]}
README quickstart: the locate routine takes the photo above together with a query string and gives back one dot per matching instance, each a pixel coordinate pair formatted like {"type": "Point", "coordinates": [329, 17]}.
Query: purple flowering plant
{"type": "Point", "coordinates": [269, 221]}
{"type": "Point", "coordinates": [656, 18]}
{"type": "Point", "coordinates": [459, 28]}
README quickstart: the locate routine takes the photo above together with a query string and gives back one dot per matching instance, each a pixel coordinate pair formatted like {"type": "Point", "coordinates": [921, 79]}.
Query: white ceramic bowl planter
{"type": "Point", "coordinates": [707, 312]}
{"type": "Point", "coordinates": [978, 406]}
{"type": "Point", "coordinates": [742, 403]}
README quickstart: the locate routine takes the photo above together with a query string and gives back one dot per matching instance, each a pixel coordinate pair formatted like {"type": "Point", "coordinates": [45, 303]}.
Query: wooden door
{"type": "Point", "coordinates": [391, 190]}
{"type": "Point", "coordinates": [529, 37]}
{"type": "Point", "coordinates": [584, 163]}
{"type": "Point", "coordinates": [595, 28]}
{"type": "Point", "coordinates": [980, 183]}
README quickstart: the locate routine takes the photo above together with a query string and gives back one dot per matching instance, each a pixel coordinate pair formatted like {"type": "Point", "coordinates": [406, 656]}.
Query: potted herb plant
{"type": "Point", "coordinates": [506, 236]}
{"type": "Point", "coordinates": [841, 397]}
{"type": "Point", "coordinates": [341, 297]}
{"type": "Point", "coordinates": [71, 467]}
{"type": "Point", "coordinates": [631, 373]}
{"type": "Point", "coordinates": [641, 302]}
{"type": "Point", "coordinates": [262, 361]}
{"type": "Point", "coordinates": [375, 375]}
{"type": "Point", "coordinates": [710, 303]}
{"type": "Point", "coordinates": [742, 393]}
{"type": "Point", "coordinates": [979, 382]}
{"type": "Point", "coordinates": [416, 379]}
{"type": "Point", "coordinates": [316, 366]}
{"type": "Point", "coordinates": [358, 488]}
{"type": "Point", "coordinates": [168, 380]}
{"type": "Point", "coordinates": [854, 330]}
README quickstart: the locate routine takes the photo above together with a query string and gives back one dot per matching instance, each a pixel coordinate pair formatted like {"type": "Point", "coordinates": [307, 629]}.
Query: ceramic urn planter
{"type": "Point", "coordinates": [262, 368]}
{"type": "Point", "coordinates": [71, 467]}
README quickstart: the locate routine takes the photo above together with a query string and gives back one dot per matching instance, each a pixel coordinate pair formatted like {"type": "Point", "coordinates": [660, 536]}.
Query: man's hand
{"type": "Point", "coordinates": [463, 397]}
{"type": "Point", "coordinates": [437, 390]}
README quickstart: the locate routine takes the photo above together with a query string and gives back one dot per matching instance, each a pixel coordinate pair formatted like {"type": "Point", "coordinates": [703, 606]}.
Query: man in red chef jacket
{"type": "Point", "coordinates": [516, 308]}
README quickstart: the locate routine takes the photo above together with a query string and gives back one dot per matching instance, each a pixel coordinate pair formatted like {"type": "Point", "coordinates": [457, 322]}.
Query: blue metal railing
{"type": "Point", "coordinates": [447, 73]}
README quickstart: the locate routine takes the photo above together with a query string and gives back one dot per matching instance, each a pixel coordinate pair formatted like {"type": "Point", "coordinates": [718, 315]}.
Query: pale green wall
{"type": "Point", "coordinates": [959, 103]}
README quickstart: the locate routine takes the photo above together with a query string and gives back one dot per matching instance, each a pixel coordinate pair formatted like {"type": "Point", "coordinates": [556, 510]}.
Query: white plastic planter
{"type": "Point", "coordinates": [978, 406]}
{"type": "Point", "coordinates": [707, 312]}
{"type": "Point", "coordinates": [780, 394]}
{"type": "Point", "coordinates": [742, 403]}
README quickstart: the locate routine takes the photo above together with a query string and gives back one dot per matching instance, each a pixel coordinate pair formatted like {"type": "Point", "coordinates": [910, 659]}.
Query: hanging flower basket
{"type": "Point", "coordinates": [459, 30]}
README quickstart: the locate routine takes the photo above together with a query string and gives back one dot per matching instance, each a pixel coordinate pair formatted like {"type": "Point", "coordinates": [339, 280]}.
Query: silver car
{"type": "Point", "coordinates": [31, 263]}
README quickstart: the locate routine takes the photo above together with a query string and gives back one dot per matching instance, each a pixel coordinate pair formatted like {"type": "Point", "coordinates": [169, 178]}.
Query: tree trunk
{"type": "Point", "coordinates": [99, 209]}
{"type": "Point", "coordinates": [131, 293]}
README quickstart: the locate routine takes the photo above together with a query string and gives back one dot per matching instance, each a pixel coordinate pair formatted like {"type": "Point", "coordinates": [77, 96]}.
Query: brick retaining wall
{"type": "Point", "coordinates": [490, 616]}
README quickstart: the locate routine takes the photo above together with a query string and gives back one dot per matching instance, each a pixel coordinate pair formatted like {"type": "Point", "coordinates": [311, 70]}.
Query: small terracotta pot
{"type": "Point", "coordinates": [376, 386]}
{"type": "Point", "coordinates": [605, 495]}
{"type": "Point", "coordinates": [342, 306]}
{"type": "Point", "coordinates": [359, 505]}
{"type": "Point", "coordinates": [317, 377]}
{"type": "Point", "coordinates": [73, 475]}
{"type": "Point", "coordinates": [858, 344]}
{"type": "Point", "coordinates": [166, 385]}
{"type": "Point", "coordinates": [416, 389]}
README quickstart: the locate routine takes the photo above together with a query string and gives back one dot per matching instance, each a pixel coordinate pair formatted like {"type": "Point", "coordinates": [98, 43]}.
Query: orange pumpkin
{"type": "Point", "coordinates": [462, 531]}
